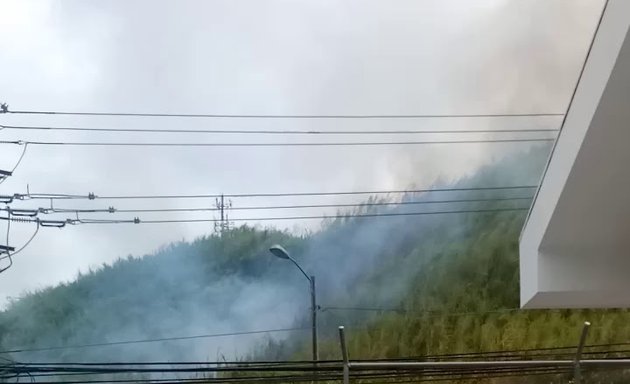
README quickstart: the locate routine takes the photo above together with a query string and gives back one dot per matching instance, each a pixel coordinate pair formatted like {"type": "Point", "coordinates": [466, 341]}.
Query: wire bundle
{"type": "Point", "coordinates": [483, 365]}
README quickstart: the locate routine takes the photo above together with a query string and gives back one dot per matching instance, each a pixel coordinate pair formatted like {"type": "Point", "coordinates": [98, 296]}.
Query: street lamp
{"type": "Point", "coordinates": [280, 252]}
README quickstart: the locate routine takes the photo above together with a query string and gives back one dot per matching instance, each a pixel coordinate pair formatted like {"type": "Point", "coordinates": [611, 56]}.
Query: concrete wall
{"type": "Point", "coordinates": [575, 247]}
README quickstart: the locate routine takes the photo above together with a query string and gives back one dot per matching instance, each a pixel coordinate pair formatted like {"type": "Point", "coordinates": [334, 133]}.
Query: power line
{"type": "Point", "coordinates": [314, 217]}
{"type": "Point", "coordinates": [386, 378]}
{"type": "Point", "coordinates": [281, 116]}
{"type": "Point", "coordinates": [34, 212]}
{"type": "Point", "coordinates": [11, 253]}
{"type": "Point", "coordinates": [7, 249]}
{"type": "Point", "coordinates": [140, 341]}
{"type": "Point", "coordinates": [376, 204]}
{"type": "Point", "coordinates": [300, 144]}
{"type": "Point", "coordinates": [276, 131]}
{"type": "Point", "coordinates": [563, 350]}
{"type": "Point", "coordinates": [295, 329]}
{"type": "Point", "coordinates": [529, 352]}
{"type": "Point", "coordinates": [399, 369]}
{"type": "Point", "coordinates": [331, 369]}
{"type": "Point", "coordinates": [570, 104]}
{"type": "Point", "coordinates": [136, 220]}
{"type": "Point", "coordinates": [326, 373]}
{"type": "Point", "coordinates": [432, 313]}
{"type": "Point", "coordinates": [10, 173]}
{"type": "Point", "coordinates": [494, 354]}
{"type": "Point", "coordinates": [92, 196]}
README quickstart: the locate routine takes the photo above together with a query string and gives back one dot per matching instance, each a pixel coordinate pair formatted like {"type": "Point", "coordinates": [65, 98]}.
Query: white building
{"type": "Point", "coordinates": [575, 246]}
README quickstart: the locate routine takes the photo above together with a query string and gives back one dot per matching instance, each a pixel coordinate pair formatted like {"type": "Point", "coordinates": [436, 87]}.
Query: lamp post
{"type": "Point", "coordinates": [279, 251]}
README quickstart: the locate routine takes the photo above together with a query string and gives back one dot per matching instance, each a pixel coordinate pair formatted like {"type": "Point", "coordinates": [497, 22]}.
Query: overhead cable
{"type": "Point", "coordinates": [417, 371]}
{"type": "Point", "coordinates": [7, 249]}
{"type": "Point", "coordinates": [93, 196]}
{"type": "Point", "coordinates": [421, 312]}
{"type": "Point", "coordinates": [35, 212]}
{"type": "Point", "coordinates": [6, 109]}
{"type": "Point", "coordinates": [137, 220]}
{"type": "Point", "coordinates": [550, 351]}
{"type": "Point", "coordinates": [325, 373]}
{"type": "Point", "coordinates": [140, 341]}
{"type": "Point", "coordinates": [6, 174]}
{"type": "Point", "coordinates": [573, 93]}
{"type": "Point", "coordinates": [348, 216]}
{"type": "Point", "coordinates": [10, 251]}
{"type": "Point", "coordinates": [314, 217]}
{"type": "Point", "coordinates": [277, 131]}
{"type": "Point", "coordinates": [39, 222]}
{"type": "Point", "coordinates": [280, 144]}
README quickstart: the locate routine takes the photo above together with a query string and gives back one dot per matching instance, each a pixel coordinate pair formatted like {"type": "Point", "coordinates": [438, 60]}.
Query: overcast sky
{"type": "Point", "coordinates": [263, 57]}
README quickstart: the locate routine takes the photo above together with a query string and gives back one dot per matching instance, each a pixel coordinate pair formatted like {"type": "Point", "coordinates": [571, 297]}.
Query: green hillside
{"type": "Point", "coordinates": [403, 286]}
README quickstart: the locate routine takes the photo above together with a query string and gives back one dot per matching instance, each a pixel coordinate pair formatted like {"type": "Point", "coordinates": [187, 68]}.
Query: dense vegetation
{"type": "Point", "coordinates": [403, 286]}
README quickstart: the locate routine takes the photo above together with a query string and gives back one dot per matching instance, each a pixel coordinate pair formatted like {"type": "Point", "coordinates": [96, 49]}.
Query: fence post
{"type": "Point", "coordinates": [577, 373]}
{"type": "Point", "coordinates": [344, 356]}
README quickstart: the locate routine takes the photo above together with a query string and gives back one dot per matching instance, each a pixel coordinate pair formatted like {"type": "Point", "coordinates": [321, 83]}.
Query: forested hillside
{"type": "Point", "coordinates": [403, 286]}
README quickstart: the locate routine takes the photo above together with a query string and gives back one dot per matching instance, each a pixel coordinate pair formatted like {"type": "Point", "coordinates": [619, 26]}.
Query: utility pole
{"type": "Point", "coordinates": [314, 320]}
{"type": "Point", "coordinates": [223, 224]}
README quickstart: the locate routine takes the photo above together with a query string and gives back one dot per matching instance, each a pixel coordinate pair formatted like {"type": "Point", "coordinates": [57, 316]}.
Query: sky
{"type": "Point", "coordinates": [262, 57]}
